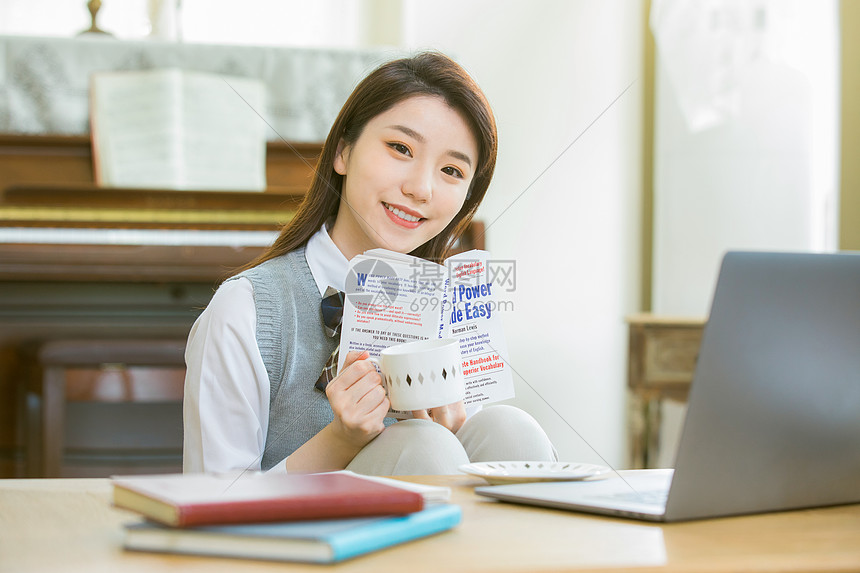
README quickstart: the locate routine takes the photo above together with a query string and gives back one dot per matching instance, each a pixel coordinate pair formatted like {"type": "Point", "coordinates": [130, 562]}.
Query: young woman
{"type": "Point", "coordinates": [405, 166]}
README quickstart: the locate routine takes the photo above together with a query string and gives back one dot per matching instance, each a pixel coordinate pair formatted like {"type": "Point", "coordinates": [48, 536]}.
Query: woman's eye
{"type": "Point", "coordinates": [400, 148]}
{"type": "Point", "coordinates": [453, 172]}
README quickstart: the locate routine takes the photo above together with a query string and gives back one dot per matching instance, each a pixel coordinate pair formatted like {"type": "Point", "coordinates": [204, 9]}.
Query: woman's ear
{"type": "Point", "coordinates": [340, 156]}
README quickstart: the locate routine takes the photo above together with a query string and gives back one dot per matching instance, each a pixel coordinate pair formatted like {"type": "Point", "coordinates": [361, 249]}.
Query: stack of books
{"type": "Point", "coordinates": [318, 518]}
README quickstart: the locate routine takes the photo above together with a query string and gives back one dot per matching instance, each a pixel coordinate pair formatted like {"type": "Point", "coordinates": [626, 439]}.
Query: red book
{"type": "Point", "coordinates": [182, 500]}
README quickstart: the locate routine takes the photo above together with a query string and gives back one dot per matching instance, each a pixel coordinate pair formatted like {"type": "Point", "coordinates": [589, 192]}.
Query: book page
{"type": "Point", "coordinates": [387, 302]}
{"type": "Point", "coordinates": [223, 138]}
{"type": "Point", "coordinates": [177, 129]}
{"type": "Point", "coordinates": [474, 317]}
{"type": "Point", "coordinates": [134, 117]}
{"type": "Point", "coordinates": [390, 299]}
{"type": "Point", "coordinates": [393, 298]}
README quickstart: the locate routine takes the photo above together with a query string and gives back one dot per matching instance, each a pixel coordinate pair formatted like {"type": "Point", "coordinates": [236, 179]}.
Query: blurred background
{"type": "Point", "coordinates": [639, 140]}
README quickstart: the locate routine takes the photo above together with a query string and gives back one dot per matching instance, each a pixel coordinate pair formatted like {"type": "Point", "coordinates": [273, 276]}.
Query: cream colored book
{"type": "Point", "coordinates": [178, 129]}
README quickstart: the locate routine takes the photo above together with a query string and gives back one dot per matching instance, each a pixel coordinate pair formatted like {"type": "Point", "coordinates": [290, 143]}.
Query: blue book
{"type": "Point", "coordinates": [325, 541]}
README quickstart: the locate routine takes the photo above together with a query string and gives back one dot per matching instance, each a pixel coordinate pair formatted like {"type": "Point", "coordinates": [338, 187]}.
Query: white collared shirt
{"type": "Point", "coordinates": [327, 263]}
{"type": "Point", "coordinates": [226, 409]}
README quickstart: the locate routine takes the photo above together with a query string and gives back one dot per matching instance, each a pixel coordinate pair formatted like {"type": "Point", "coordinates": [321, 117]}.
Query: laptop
{"type": "Point", "coordinates": [773, 417]}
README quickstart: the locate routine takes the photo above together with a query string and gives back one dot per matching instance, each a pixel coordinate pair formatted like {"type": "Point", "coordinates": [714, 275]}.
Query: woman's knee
{"type": "Point", "coordinates": [504, 432]}
{"type": "Point", "coordinates": [508, 420]}
{"type": "Point", "coordinates": [411, 447]}
{"type": "Point", "coordinates": [425, 434]}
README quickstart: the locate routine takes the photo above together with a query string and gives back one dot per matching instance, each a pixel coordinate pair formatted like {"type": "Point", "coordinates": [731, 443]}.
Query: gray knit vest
{"type": "Point", "coordinates": [294, 348]}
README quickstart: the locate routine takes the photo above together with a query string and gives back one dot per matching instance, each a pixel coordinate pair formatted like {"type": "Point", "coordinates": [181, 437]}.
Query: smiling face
{"type": "Point", "coordinates": [405, 177]}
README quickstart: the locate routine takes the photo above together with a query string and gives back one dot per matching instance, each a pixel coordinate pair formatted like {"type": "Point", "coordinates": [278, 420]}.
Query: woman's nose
{"type": "Point", "coordinates": [419, 185]}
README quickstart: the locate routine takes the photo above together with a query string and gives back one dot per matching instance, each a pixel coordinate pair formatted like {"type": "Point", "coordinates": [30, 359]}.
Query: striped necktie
{"type": "Point", "coordinates": [332, 313]}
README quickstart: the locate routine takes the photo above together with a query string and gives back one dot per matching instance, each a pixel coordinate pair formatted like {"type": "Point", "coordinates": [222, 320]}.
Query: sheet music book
{"type": "Point", "coordinates": [178, 129]}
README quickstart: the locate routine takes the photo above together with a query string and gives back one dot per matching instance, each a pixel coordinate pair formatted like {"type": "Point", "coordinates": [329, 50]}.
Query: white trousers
{"type": "Point", "coordinates": [422, 447]}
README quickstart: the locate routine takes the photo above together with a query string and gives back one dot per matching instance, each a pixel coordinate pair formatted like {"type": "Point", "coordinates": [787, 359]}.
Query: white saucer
{"type": "Point", "coordinates": [520, 472]}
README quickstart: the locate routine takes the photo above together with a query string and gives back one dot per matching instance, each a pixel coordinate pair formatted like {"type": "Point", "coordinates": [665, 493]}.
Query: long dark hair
{"type": "Point", "coordinates": [427, 73]}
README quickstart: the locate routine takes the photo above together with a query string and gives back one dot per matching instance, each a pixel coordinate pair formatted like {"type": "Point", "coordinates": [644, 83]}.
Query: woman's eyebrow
{"type": "Point", "coordinates": [461, 156]}
{"type": "Point", "coordinates": [421, 139]}
{"type": "Point", "coordinates": [410, 132]}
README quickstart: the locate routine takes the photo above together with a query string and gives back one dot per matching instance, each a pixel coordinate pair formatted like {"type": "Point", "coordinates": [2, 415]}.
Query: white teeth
{"type": "Point", "coordinates": [401, 214]}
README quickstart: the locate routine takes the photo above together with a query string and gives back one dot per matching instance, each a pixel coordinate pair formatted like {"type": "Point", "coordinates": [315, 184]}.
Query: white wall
{"type": "Point", "coordinates": [329, 23]}
{"type": "Point", "coordinates": [549, 68]}
{"type": "Point", "coordinates": [125, 19]}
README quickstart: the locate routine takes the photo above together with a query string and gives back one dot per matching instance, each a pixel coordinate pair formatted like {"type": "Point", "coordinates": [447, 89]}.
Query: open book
{"type": "Point", "coordinates": [178, 129]}
{"type": "Point", "coordinates": [393, 298]}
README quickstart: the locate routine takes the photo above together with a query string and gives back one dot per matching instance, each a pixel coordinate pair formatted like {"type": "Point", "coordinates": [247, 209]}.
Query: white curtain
{"type": "Point", "coordinates": [746, 137]}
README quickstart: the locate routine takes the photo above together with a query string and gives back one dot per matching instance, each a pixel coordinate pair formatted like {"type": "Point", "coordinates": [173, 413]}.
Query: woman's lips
{"type": "Point", "coordinates": [402, 216]}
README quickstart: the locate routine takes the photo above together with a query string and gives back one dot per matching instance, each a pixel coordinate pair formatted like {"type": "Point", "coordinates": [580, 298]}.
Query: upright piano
{"type": "Point", "coordinates": [79, 262]}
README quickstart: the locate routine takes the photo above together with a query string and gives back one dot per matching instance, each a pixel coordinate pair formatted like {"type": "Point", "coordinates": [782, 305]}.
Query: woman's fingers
{"type": "Point", "coordinates": [353, 357]}
{"type": "Point", "coordinates": [421, 415]}
{"type": "Point", "coordinates": [451, 416]}
{"type": "Point", "coordinates": [358, 399]}
{"type": "Point", "coordinates": [355, 367]}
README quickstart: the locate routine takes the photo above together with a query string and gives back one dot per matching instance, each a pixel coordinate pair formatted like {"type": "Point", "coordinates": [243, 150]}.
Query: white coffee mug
{"type": "Point", "coordinates": [422, 374]}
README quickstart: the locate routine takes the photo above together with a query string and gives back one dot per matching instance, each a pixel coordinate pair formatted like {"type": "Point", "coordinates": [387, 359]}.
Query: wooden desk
{"type": "Point", "coordinates": [662, 359]}
{"type": "Point", "coordinates": [68, 525]}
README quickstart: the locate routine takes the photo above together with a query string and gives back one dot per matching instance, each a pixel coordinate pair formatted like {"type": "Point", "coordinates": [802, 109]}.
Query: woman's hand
{"type": "Point", "coordinates": [451, 416]}
{"type": "Point", "coordinates": [358, 400]}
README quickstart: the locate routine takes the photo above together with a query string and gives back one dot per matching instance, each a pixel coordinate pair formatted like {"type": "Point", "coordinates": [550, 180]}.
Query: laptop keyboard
{"type": "Point", "coordinates": [651, 497]}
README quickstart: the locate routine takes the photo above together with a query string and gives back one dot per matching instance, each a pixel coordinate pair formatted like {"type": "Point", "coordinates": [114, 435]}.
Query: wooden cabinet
{"type": "Point", "coordinates": [661, 364]}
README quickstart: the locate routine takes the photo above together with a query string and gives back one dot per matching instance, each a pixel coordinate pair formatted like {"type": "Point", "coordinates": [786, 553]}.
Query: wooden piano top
{"type": "Point", "coordinates": [51, 160]}
{"type": "Point", "coordinates": [56, 225]}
